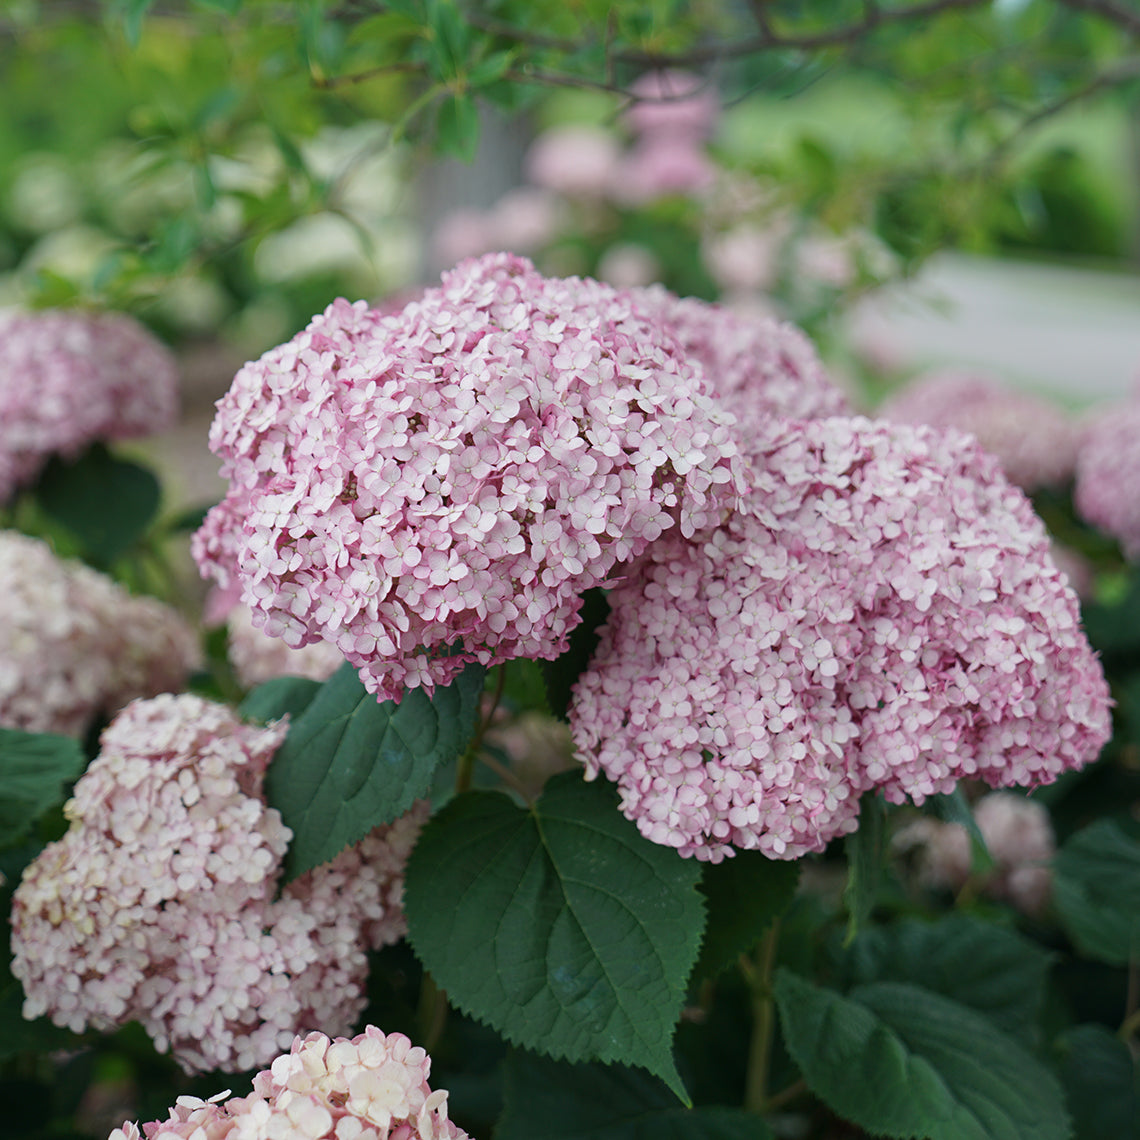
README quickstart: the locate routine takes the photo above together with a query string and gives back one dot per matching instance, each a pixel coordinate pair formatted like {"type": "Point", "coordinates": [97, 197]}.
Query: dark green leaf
{"type": "Point", "coordinates": [18, 1035]}
{"type": "Point", "coordinates": [524, 689]}
{"type": "Point", "coordinates": [278, 697]}
{"type": "Point", "coordinates": [489, 69]}
{"type": "Point", "coordinates": [35, 768]}
{"type": "Point", "coordinates": [1102, 1083]}
{"type": "Point", "coordinates": [744, 894]}
{"type": "Point", "coordinates": [552, 1100]}
{"type": "Point", "coordinates": [351, 763]}
{"type": "Point", "coordinates": [991, 970]}
{"type": "Point", "coordinates": [1096, 886]}
{"type": "Point", "coordinates": [903, 1062]}
{"type": "Point", "coordinates": [457, 127]}
{"type": "Point", "coordinates": [105, 502]}
{"type": "Point", "coordinates": [191, 518]}
{"type": "Point", "coordinates": [559, 926]}
{"type": "Point", "coordinates": [564, 671]}
{"type": "Point", "coordinates": [865, 850]}
{"type": "Point", "coordinates": [955, 808]}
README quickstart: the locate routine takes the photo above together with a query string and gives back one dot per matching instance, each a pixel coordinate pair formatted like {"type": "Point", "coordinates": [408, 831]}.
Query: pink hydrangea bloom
{"type": "Point", "coordinates": [658, 166]}
{"type": "Point", "coordinates": [74, 644]}
{"type": "Point", "coordinates": [1107, 490]}
{"type": "Point", "coordinates": [459, 473]}
{"type": "Point", "coordinates": [882, 614]}
{"type": "Point", "coordinates": [1019, 836]}
{"type": "Point", "coordinates": [371, 1087]}
{"type": "Point", "coordinates": [160, 903]}
{"type": "Point", "coordinates": [578, 161]}
{"type": "Point", "coordinates": [1033, 438]}
{"type": "Point", "coordinates": [257, 657]}
{"type": "Point", "coordinates": [68, 379]}
{"type": "Point", "coordinates": [759, 367]}
{"type": "Point", "coordinates": [675, 103]}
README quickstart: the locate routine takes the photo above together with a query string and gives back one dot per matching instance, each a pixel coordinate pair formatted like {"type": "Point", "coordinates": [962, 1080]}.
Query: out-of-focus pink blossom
{"type": "Point", "coordinates": [659, 166]}
{"type": "Point", "coordinates": [824, 260]}
{"type": "Point", "coordinates": [524, 220]}
{"type": "Point", "coordinates": [371, 1087]}
{"type": "Point", "coordinates": [1107, 490]}
{"type": "Point", "coordinates": [160, 903]}
{"type": "Point", "coordinates": [743, 258]}
{"type": "Point", "coordinates": [882, 614]}
{"type": "Point", "coordinates": [626, 266]}
{"type": "Point", "coordinates": [464, 233]}
{"type": "Point", "coordinates": [74, 645]}
{"type": "Point", "coordinates": [1033, 438]}
{"type": "Point", "coordinates": [578, 161]}
{"type": "Point", "coordinates": [257, 657]}
{"type": "Point", "coordinates": [68, 379]}
{"type": "Point", "coordinates": [1019, 837]}
{"type": "Point", "coordinates": [460, 472]}
{"type": "Point", "coordinates": [673, 103]}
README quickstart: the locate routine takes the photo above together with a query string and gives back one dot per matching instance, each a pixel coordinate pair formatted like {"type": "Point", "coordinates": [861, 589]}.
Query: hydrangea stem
{"type": "Point", "coordinates": [759, 978]}
{"type": "Point", "coordinates": [466, 767]}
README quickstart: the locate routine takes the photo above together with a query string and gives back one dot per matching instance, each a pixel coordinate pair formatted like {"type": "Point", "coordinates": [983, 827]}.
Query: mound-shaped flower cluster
{"type": "Point", "coordinates": [70, 378]}
{"type": "Point", "coordinates": [883, 614]}
{"type": "Point", "coordinates": [158, 905]}
{"type": "Point", "coordinates": [74, 644]}
{"type": "Point", "coordinates": [1032, 437]}
{"type": "Point", "coordinates": [372, 1087]}
{"type": "Point", "coordinates": [1107, 490]}
{"type": "Point", "coordinates": [439, 486]}
{"type": "Point", "coordinates": [758, 367]}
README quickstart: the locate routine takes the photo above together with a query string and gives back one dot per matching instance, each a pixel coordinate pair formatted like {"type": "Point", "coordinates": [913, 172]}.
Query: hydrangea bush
{"type": "Point", "coordinates": [652, 796]}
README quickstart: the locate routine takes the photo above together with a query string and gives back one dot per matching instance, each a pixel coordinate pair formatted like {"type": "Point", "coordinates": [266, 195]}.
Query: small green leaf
{"type": "Point", "coordinates": [457, 127]}
{"type": "Point", "coordinates": [279, 697]}
{"type": "Point", "coordinates": [559, 926]}
{"type": "Point", "coordinates": [955, 808]}
{"type": "Point", "coordinates": [552, 1100]}
{"type": "Point", "coordinates": [744, 895]}
{"type": "Point", "coordinates": [865, 850]}
{"type": "Point", "coordinates": [992, 970]}
{"type": "Point", "coordinates": [903, 1062]}
{"type": "Point", "coordinates": [351, 763]}
{"type": "Point", "coordinates": [562, 673]}
{"type": "Point", "coordinates": [105, 502]}
{"type": "Point", "coordinates": [1102, 1083]}
{"type": "Point", "coordinates": [133, 13]}
{"type": "Point", "coordinates": [489, 69]}
{"type": "Point", "coordinates": [1096, 886]}
{"type": "Point", "coordinates": [35, 768]}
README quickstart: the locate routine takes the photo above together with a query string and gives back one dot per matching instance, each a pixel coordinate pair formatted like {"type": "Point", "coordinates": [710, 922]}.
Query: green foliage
{"type": "Point", "coordinates": [744, 895]}
{"type": "Point", "coordinates": [551, 1100]}
{"type": "Point", "coordinates": [866, 853]}
{"type": "Point", "coordinates": [282, 696]}
{"type": "Point", "coordinates": [351, 763]}
{"type": "Point", "coordinates": [901, 1061]}
{"type": "Point", "coordinates": [1096, 887]}
{"type": "Point", "coordinates": [1102, 1084]}
{"type": "Point", "coordinates": [105, 502]}
{"type": "Point", "coordinates": [955, 808]}
{"type": "Point", "coordinates": [562, 673]}
{"type": "Point", "coordinates": [558, 925]}
{"type": "Point", "coordinates": [35, 769]}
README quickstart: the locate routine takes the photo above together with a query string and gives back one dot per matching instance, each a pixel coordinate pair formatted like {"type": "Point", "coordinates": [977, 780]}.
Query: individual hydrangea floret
{"type": "Point", "coordinates": [160, 903]}
{"type": "Point", "coordinates": [758, 367]}
{"type": "Point", "coordinates": [1032, 437]}
{"type": "Point", "coordinates": [68, 379]}
{"type": "Point", "coordinates": [1019, 837]}
{"type": "Point", "coordinates": [371, 1087]}
{"type": "Point", "coordinates": [882, 614]}
{"type": "Point", "coordinates": [440, 486]}
{"type": "Point", "coordinates": [74, 645]}
{"type": "Point", "coordinates": [1107, 490]}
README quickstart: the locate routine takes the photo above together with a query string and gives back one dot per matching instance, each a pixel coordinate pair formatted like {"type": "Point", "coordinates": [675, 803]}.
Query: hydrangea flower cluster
{"type": "Point", "coordinates": [68, 379]}
{"type": "Point", "coordinates": [370, 1087]}
{"type": "Point", "coordinates": [758, 367]}
{"type": "Point", "coordinates": [1107, 490]}
{"type": "Point", "coordinates": [883, 613]}
{"type": "Point", "coordinates": [1033, 438]}
{"type": "Point", "coordinates": [256, 657]}
{"type": "Point", "coordinates": [74, 644]}
{"type": "Point", "coordinates": [1019, 837]}
{"type": "Point", "coordinates": [159, 905]}
{"type": "Point", "coordinates": [439, 486]}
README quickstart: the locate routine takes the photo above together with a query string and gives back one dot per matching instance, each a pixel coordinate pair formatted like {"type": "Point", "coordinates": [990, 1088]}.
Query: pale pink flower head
{"type": "Point", "coordinates": [464, 233]}
{"type": "Point", "coordinates": [1107, 489]}
{"type": "Point", "coordinates": [578, 161]}
{"type": "Point", "coordinates": [525, 219]}
{"type": "Point", "coordinates": [1032, 437]}
{"type": "Point", "coordinates": [440, 486]}
{"type": "Point", "coordinates": [74, 645]}
{"type": "Point", "coordinates": [744, 258]}
{"type": "Point", "coordinates": [68, 379]}
{"type": "Point", "coordinates": [882, 614]}
{"type": "Point", "coordinates": [661, 165]}
{"type": "Point", "coordinates": [160, 904]}
{"type": "Point", "coordinates": [371, 1087]}
{"type": "Point", "coordinates": [673, 103]}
